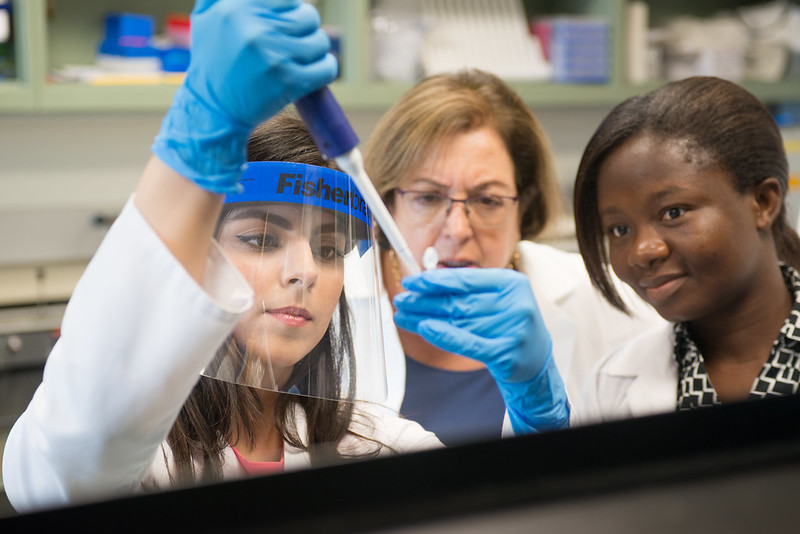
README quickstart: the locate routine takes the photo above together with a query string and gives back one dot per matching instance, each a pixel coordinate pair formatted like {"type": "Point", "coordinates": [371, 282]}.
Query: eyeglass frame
{"type": "Point", "coordinates": [454, 200]}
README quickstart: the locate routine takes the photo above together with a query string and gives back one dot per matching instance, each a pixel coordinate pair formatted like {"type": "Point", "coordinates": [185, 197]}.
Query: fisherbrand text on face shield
{"type": "Point", "coordinates": [321, 190]}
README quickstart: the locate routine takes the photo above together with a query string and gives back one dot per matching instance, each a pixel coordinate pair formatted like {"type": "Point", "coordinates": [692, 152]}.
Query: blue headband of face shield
{"type": "Point", "coordinates": [308, 185]}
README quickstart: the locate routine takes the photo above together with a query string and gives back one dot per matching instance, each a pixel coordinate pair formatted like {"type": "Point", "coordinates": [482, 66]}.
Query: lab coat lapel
{"type": "Point", "coordinates": [542, 273]}
{"type": "Point", "coordinates": [550, 297]}
{"type": "Point", "coordinates": [293, 457]}
{"type": "Point", "coordinates": [651, 393]}
{"type": "Point", "coordinates": [655, 385]}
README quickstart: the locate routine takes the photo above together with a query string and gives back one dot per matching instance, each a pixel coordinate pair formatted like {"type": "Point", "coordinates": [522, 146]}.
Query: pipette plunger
{"type": "Point", "coordinates": [336, 140]}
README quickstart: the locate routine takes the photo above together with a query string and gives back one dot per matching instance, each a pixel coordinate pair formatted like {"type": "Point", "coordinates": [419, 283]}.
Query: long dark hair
{"type": "Point", "coordinates": [724, 126]}
{"type": "Point", "coordinates": [216, 411]}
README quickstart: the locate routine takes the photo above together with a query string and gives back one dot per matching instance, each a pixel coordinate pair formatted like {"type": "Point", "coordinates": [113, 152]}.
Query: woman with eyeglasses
{"type": "Point", "coordinates": [465, 168]}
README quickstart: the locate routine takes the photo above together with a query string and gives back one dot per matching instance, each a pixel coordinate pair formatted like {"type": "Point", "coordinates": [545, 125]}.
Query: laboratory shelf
{"type": "Point", "coordinates": [72, 97]}
{"type": "Point", "coordinates": [536, 94]}
{"type": "Point", "coordinates": [54, 33]}
{"type": "Point", "coordinates": [16, 97]}
{"type": "Point", "coordinates": [69, 97]}
{"type": "Point", "coordinates": [773, 93]}
{"type": "Point", "coordinates": [552, 95]}
{"type": "Point", "coordinates": [576, 96]}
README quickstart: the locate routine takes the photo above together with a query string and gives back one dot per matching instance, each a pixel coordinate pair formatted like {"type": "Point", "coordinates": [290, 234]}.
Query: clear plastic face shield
{"type": "Point", "coordinates": [302, 236]}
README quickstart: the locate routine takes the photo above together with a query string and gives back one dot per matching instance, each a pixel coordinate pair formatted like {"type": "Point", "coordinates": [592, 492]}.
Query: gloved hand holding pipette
{"type": "Point", "coordinates": [491, 315]}
{"type": "Point", "coordinates": [336, 140]}
{"type": "Point", "coordinates": [253, 58]}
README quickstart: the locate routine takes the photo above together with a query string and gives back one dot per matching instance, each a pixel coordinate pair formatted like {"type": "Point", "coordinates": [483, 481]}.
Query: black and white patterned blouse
{"type": "Point", "coordinates": [781, 372]}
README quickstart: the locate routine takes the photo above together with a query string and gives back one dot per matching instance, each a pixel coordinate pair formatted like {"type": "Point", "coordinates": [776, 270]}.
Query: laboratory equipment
{"type": "Point", "coordinates": [430, 259]}
{"type": "Point", "coordinates": [336, 140]}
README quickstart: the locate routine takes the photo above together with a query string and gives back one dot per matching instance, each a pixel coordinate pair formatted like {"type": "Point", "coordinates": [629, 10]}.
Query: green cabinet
{"type": "Point", "coordinates": [52, 33]}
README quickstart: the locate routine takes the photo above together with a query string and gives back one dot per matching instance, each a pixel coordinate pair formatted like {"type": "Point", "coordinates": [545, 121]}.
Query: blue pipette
{"type": "Point", "coordinates": [336, 139]}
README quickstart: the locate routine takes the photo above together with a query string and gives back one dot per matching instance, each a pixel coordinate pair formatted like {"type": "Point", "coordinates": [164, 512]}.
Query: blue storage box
{"type": "Point", "coordinates": [577, 47]}
{"type": "Point", "coordinates": [128, 35]}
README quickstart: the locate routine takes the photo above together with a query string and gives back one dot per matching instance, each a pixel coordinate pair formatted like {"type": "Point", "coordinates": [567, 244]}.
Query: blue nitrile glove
{"type": "Point", "coordinates": [491, 315]}
{"type": "Point", "coordinates": [250, 58]}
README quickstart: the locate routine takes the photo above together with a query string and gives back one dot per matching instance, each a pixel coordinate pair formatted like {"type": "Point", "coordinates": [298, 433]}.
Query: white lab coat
{"type": "Point", "coordinates": [638, 379]}
{"type": "Point", "coordinates": [135, 336]}
{"type": "Point", "coordinates": [583, 326]}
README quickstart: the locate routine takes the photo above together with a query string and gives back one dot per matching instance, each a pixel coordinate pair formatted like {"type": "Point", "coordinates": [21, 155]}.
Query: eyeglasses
{"type": "Point", "coordinates": [483, 210]}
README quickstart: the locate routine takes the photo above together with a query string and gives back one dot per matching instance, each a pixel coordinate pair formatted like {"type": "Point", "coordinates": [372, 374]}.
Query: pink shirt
{"type": "Point", "coordinates": [259, 468]}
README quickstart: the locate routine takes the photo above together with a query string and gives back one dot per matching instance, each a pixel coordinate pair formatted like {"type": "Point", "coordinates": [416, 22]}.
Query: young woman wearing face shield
{"type": "Point", "coordinates": [187, 359]}
{"type": "Point", "coordinates": [302, 255]}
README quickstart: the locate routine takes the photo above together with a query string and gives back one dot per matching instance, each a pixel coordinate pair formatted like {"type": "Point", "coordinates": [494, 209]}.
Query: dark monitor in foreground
{"type": "Point", "coordinates": [734, 468]}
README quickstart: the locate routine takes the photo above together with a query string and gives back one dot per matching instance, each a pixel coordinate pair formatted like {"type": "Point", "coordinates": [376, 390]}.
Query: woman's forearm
{"type": "Point", "coordinates": [182, 214]}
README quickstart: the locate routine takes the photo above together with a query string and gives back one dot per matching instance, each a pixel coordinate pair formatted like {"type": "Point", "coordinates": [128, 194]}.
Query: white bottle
{"type": "Point", "coordinates": [5, 22]}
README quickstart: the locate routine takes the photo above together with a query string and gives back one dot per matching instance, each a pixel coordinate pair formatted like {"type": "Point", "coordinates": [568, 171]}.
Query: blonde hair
{"type": "Point", "coordinates": [442, 106]}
